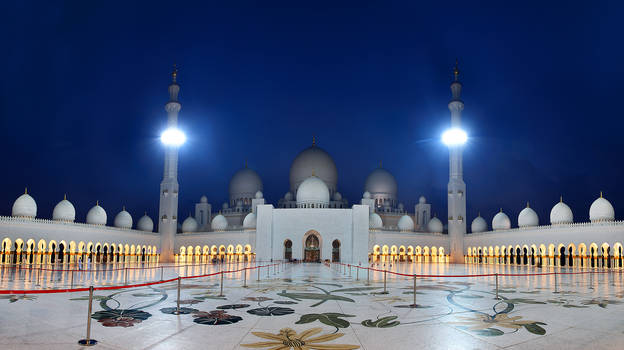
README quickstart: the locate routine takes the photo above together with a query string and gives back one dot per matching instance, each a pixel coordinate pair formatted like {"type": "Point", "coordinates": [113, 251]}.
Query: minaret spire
{"type": "Point", "coordinates": [169, 187]}
{"type": "Point", "coordinates": [456, 185]}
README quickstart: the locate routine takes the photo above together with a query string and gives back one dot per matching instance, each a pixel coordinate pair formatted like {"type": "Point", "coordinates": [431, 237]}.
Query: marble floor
{"type": "Point", "coordinates": [315, 306]}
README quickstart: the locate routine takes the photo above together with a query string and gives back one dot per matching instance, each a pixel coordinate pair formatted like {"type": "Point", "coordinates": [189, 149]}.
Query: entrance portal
{"type": "Point", "coordinates": [312, 249]}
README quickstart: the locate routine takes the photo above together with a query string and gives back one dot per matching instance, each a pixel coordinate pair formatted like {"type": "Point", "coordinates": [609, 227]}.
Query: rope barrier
{"type": "Point", "coordinates": [73, 290]}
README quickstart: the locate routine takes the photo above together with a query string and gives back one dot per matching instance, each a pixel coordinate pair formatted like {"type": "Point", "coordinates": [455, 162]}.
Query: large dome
{"type": "Point", "coordinates": [249, 222]}
{"type": "Point", "coordinates": [123, 219]}
{"type": "Point", "coordinates": [381, 184]}
{"type": "Point", "coordinates": [64, 211]}
{"type": "Point", "coordinates": [219, 223]}
{"type": "Point", "coordinates": [96, 215]}
{"type": "Point", "coordinates": [601, 210]}
{"type": "Point", "coordinates": [435, 225]}
{"type": "Point", "coordinates": [528, 217]}
{"type": "Point", "coordinates": [501, 221]}
{"type": "Point", "coordinates": [244, 185]}
{"type": "Point", "coordinates": [478, 225]}
{"type": "Point", "coordinates": [374, 221]}
{"type": "Point", "coordinates": [561, 214]}
{"type": "Point", "coordinates": [313, 192]}
{"type": "Point", "coordinates": [313, 161]}
{"type": "Point", "coordinates": [145, 224]}
{"type": "Point", "coordinates": [406, 223]}
{"type": "Point", "coordinates": [189, 225]}
{"type": "Point", "coordinates": [25, 206]}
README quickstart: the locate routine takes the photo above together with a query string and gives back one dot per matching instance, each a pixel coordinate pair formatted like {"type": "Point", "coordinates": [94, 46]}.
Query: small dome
{"type": "Point", "coordinates": [366, 195]}
{"type": "Point", "coordinates": [374, 221]}
{"type": "Point", "coordinates": [561, 214]}
{"type": "Point", "coordinates": [406, 223]}
{"type": "Point", "coordinates": [435, 225]}
{"type": "Point", "coordinates": [381, 184]}
{"type": "Point", "coordinates": [123, 219]}
{"type": "Point", "coordinates": [601, 210]}
{"type": "Point", "coordinates": [528, 217]}
{"type": "Point", "coordinates": [219, 223]}
{"type": "Point", "coordinates": [225, 206]}
{"type": "Point", "coordinates": [478, 225]}
{"type": "Point", "coordinates": [313, 191]}
{"type": "Point", "coordinates": [288, 196]}
{"type": "Point", "coordinates": [189, 225]}
{"type": "Point", "coordinates": [203, 199]}
{"type": "Point", "coordinates": [239, 203]}
{"type": "Point", "coordinates": [337, 196]}
{"type": "Point", "coordinates": [145, 224]}
{"type": "Point", "coordinates": [501, 221]}
{"type": "Point", "coordinates": [250, 221]}
{"type": "Point", "coordinates": [422, 200]}
{"type": "Point", "coordinates": [96, 215]}
{"type": "Point", "coordinates": [25, 206]}
{"type": "Point", "coordinates": [259, 195]}
{"type": "Point", "coordinates": [64, 211]}
{"type": "Point", "coordinates": [401, 206]}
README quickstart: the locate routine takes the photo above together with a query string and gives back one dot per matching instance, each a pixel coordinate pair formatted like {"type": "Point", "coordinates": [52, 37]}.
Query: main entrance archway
{"type": "Point", "coordinates": [312, 247]}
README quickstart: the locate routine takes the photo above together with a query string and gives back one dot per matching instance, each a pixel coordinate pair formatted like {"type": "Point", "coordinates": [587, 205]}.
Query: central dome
{"type": "Point", "coordinates": [313, 161]}
{"type": "Point", "coordinates": [244, 185]}
{"type": "Point", "coordinates": [381, 185]}
{"type": "Point", "coordinates": [313, 193]}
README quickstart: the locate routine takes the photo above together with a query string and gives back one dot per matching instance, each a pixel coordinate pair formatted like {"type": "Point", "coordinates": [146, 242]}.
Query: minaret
{"type": "Point", "coordinates": [456, 185]}
{"type": "Point", "coordinates": [168, 212]}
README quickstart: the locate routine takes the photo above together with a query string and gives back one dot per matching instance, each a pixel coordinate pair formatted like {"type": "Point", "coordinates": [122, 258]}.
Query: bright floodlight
{"type": "Point", "coordinates": [454, 137]}
{"type": "Point", "coordinates": [173, 137]}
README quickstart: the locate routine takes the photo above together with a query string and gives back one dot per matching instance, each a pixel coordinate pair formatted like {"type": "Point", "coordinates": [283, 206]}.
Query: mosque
{"type": "Point", "coordinates": [312, 222]}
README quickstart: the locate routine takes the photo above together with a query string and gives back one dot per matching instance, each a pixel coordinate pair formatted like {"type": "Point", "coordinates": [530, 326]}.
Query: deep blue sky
{"type": "Point", "coordinates": [84, 86]}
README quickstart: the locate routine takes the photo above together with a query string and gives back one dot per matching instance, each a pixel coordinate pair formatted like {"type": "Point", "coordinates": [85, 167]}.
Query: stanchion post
{"type": "Point", "coordinates": [161, 272]}
{"type": "Point", "coordinates": [221, 293]}
{"type": "Point", "coordinates": [245, 277]}
{"type": "Point", "coordinates": [496, 274]}
{"type": "Point", "coordinates": [591, 280]}
{"type": "Point", "coordinates": [414, 290]}
{"type": "Point", "coordinates": [71, 284]}
{"type": "Point", "coordinates": [385, 282]}
{"type": "Point", "coordinates": [268, 270]}
{"type": "Point", "coordinates": [350, 268]}
{"type": "Point", "coordinates": [556, 282]}
{"type": "Point", "coordinates": [357, 273]}
{"type": "Point", "coordinates": [258, 268]}
{"type": "Point", "coordinates": [368, 276]}
{"type": "Point", "coordinates": [88, 341]}
{"type": "Point", "coordinates": [125, 275]}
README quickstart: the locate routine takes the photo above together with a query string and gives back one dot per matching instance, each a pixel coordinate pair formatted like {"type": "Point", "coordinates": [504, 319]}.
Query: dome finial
{"type": "Point", "coordinates": [245, 163]}
{"type": "Point", "coordinates": [25, 190]}
{"type": "Point", "coordinates": [313, 172]}
{"type": "Point", "coordinates": [123, 208]}
{"type": "Point", "coordinates": [479, 214]}
{"type": "Point", "coordinates": [560, 199]}
{"type": "Point", "coordinates": [65, 196]}
{"type": "Point", "coordinates": [600, 194]}
{"type": "Point", "coordinates": [501, 210]}
{"type": "Point", "coordinates": [456, 69]}
{"type": "Point", "coordinates": [97, 203]}
{"type": "Point", "coordinates": [313, 140]}
{"type": "Point", "coordinates": [174, 74]}
{"type": "Point", "coordinates": [528, 204]}
{"type": "Point", "coordinates": [145, 213]}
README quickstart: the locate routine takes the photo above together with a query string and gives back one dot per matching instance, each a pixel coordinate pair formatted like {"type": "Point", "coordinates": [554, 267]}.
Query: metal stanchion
{"type": "Point", "coordinates": [385, 282]}
{"type": "Point", "coordinates": [268, 270]}
{"type": "Point", "coordinates": [350, 270]}
{"type": "Point", "coordinates": [496, 274]}
{"type": "Point", "coordinates": [126, 275]}
{"type": "Point", "coordinates": [88, 341]}
{"type": "Point", "coordinates": [556, 282]}
{"type": "Point", "coordinates": [357, 273]}
{"type": "Point", "coordinates": [161, 272]}
{"type": "Point", "coordinates": [414, 305]}
{"type": "Point", "coordinates": [258, 268]}
{"type": "Point", "coordinates": [71, 285]}
{"type": "Point", "coordinates": [245, 277]}
{"type": "Point", "coordinates": [368, 276]}
{"type": "Point", "coordinates": [591, 280]}
{"type": "Point", "coordinates": [221, 293]}
{"type": "Point", "coordinates": [177, 311]}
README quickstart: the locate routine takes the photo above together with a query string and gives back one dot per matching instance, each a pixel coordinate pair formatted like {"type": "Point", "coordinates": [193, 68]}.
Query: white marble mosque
{"type": "Point", "coordinates": [313, 222]}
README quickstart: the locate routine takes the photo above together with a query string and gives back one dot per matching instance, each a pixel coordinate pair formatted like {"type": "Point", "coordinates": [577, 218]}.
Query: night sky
{"type": "Point", "coordinates": [84, 87]}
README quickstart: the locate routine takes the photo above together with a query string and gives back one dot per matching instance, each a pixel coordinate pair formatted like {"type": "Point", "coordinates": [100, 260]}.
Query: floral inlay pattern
{"type": "Point", "coordinates": [288, 339]}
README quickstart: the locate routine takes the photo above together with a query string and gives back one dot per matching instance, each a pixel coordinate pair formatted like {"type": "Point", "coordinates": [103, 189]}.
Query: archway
{"type": "Point", "coordinates": [336, 250]}
{"type": "Point", "coordinates": [288, 250]}
{"type": "Point", "coordinates": [312, 247]}
{"type": "Point", "coordinates": [562, 256]}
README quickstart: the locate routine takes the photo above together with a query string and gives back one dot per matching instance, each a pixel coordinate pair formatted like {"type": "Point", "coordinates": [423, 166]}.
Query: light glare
{"type": "Point", "coordinates": [173, 137]}
{"type": "Point", "coordinates": [454, 137]}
